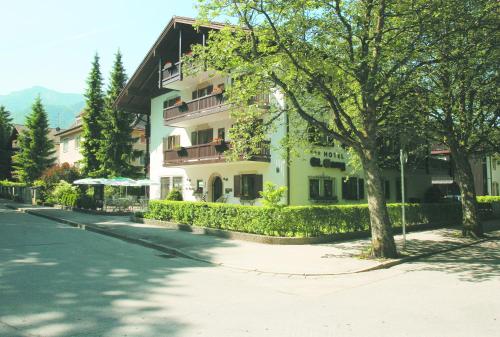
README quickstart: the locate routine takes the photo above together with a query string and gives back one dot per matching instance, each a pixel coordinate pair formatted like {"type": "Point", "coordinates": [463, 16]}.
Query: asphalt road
{"type": "Point", "coordinates": [57, 280]}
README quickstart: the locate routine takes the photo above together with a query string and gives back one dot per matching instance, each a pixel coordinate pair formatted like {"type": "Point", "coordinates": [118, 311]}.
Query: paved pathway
{"type": "Point", "coordinates": [332, 258]}
{"type": "Point", "coordinates": [60, 281]}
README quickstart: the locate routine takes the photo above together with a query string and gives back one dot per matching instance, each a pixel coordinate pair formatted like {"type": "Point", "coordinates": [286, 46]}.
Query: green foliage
{"type": "Point", "coordinates": [7, 183]}
{"type": "Point", "coordinates": [52, 176]}
{"type": "Point", "coordinates": [272, 195]}
{"type": "Point", "coordinates": [116, 151]}
{"type": "Point", "coordinates": [174, 195]}
{"type": "Point", "coordinates": [65, 194]}
{"type": "Point", "coordinates": [36, 150]}
{"type": "Point", "coordinates": [488, 199]}
{"type": "Point", "coordinates": [5, 148]}
{"type": "Point", "coordinates": [296, 221]}
{"type": "Point", "coordinates": [92, 119]}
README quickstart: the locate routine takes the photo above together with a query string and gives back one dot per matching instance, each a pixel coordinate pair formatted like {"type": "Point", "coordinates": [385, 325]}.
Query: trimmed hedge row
{"type": "Point", "coordinates": [488, 199]}
{"type": "Point", "coordinates": [295, 221]}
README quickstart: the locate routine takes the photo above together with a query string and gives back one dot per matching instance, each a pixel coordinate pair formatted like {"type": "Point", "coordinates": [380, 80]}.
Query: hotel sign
{"type": "Point", "coordinates": [329, 159]}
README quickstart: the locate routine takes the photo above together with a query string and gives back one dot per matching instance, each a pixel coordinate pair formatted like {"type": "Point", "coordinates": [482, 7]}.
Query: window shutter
{"type": "Point", "coordinates": [177, 140]}
{"type": "Point", "coordinates": [361, 186]}
{"type": "Point", "coordinates": [194, 138]}
{"type": "Point", "coordinates": [165, 143]}
{"type": "Point", "coordinates": [258, 185]}
{"type": "Point", "coordinates": [344, 189]}
{"type": "Point", "coordinates": [237, 185]}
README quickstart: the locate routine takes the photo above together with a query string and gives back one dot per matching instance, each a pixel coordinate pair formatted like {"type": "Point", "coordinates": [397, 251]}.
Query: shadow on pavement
{"type": "Point", "coordinates": [56, 280]}
{"type": "Point", "coordinates": [476, 263]}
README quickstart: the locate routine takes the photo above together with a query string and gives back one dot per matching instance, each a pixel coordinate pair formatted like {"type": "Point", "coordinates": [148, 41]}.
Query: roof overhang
{"type": "Point", "coordinates": [143, 84]}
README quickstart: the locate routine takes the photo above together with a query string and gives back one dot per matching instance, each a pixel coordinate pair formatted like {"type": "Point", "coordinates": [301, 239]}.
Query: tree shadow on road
{"type": "Point", "coordinates": [56, 280]}
{"type": "Point", "coordinates": [476, 263]}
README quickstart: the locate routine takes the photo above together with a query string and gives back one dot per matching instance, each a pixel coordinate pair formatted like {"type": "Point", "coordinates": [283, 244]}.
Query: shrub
{"type": "Point", "coordinates": [52, 176]}
{"type": "Point", "coordinates": [272, 195]}
{"type": "Point", "coordinates": [174, 195]}
{"type": "Point", "coordinates": [295, 221]}
{"type": "Point", "coordinates": [65, 194]}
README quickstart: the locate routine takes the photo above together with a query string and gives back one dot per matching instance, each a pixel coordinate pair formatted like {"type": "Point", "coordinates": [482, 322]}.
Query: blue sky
{"type": "Point", "coordinates": [51, 42]}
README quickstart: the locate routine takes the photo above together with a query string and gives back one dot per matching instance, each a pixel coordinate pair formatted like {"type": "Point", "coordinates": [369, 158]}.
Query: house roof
{"type": "Point", "coordinates": [143, 84]}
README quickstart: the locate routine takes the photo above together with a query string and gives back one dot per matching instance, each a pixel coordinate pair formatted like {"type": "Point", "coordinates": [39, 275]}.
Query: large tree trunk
{"type": "Point", "coordinates": [382, 238]}
{"type": "Point", "coordinates": [463, 175]}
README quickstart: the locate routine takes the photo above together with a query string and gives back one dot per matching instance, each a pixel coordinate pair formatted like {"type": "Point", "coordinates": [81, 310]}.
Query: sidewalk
{"type": "Point", "coordinates": [319, 259]}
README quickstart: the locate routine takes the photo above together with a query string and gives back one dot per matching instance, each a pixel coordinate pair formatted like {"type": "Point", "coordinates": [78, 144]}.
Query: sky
{"type": "Point", "coordinates": [51, 43]}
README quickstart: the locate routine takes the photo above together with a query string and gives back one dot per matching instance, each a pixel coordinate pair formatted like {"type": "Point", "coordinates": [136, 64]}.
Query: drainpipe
{"type": "Point", "coordinates": [148, 135]}
{"type": "Point", "coordinates": [287, 123]}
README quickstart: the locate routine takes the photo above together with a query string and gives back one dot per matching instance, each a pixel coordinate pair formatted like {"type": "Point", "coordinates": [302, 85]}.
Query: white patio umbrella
{"type": "Point", "coordinates": [121, 181]}
{"type": "Point", "coordinates": [146, 182]}
{"type": "Point", "coordinates": [91, 181]}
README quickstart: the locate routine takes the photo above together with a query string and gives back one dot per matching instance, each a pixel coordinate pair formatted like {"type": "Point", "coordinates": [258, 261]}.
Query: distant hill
{"type": "Point", "coordinates": [61, 107]}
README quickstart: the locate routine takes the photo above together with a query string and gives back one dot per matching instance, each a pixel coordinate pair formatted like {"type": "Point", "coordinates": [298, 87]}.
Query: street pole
{"type": "Point", "coordinates": [403, 220]}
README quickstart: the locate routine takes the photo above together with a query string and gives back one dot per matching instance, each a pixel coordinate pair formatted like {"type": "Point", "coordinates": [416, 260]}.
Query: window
{"type": "Point", "coordinates": [248, 186]}
{"type": "Point", "coordinates": [313, 189]}
{"type": "Point", "coordinates": [165, 187]}
{"type": "Point", "coordinates": [495, 189]}
{"type": "Point", "coordinates": [387, 189]}
{"type": "Point", "coordinates": [171, 142]}
{"type": "Point", "coordinates": [171, 102]}
{"type": "Point", "coordinates": [199, 186]}
{"type": "Point", "coordinates": [221, 133]}
{"type": "Point", "coordinates": [142, 159]}
{"type": "Point", "coordinates": [202, 92]}
{"type": "Point", "coordinates": [169, 183]}
{"type": "Point", "coordinates": [65, 144]}
{"type": "Point", "coordinates": [202, 136]}
{"type": "Point", "coordinates": [77, 142]}
{"type": "Point", "coordinates": [322, 188]}
{"type": "Point", "coordinates": [177, 183]}
{"type": "Point", "coordinates": [353, 188]}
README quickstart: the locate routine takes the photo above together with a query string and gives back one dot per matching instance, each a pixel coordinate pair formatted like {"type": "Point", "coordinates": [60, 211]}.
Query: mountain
{"type": "Point", "coordinates": [61, 107]}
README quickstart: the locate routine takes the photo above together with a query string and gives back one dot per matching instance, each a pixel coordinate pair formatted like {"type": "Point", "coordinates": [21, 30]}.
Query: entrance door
{"type": "Point", "coordinates": [216, 189]}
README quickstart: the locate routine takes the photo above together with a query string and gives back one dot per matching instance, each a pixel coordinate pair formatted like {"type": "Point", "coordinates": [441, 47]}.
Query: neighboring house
{"type": "Point", "coordinates": [189, 123]}
{"type": "Point", "coordinates": [71, 139]}
{"type": "Point", "coordinates": [18, 128]}
{"type": "Point", "coordinates": [485, 170]}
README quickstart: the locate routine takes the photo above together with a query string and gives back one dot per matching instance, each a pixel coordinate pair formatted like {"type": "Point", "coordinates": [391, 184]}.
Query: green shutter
{"type": "Point", "coordinates": [237, 186]}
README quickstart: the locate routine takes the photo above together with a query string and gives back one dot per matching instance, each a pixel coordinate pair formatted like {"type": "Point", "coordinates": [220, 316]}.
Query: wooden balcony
{"type": "Point", "coordinates": [170, 74]}
{"type": "Point", "coordinates": [208, 153]}
{"type": "Point", "coordinates": [195, 108]}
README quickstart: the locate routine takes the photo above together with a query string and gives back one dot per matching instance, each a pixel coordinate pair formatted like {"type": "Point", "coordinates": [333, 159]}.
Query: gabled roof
{"type": "Point", "coordinates": [143, 84]}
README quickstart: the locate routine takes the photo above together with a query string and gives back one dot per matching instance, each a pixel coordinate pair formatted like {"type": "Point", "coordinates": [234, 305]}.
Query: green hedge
{"type": "Point", "coordinates": [295, 221]}
{"type": "Point", "coordinates": [488, 199]}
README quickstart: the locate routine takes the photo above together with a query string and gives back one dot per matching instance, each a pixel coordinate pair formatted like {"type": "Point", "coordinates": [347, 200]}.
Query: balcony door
{"type": "Point", "coordinates": [216, 189]}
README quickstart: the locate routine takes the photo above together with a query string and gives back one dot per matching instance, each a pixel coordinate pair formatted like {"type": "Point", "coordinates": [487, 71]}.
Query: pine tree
{"type": "Point", "coordinates": [5, 148]}
{"type": "Point", "coordinates": [36, 150]}
{"type": "Point", "coordinates": [92, 120]}
{"type": "Point", "coordinates": [116, 152]}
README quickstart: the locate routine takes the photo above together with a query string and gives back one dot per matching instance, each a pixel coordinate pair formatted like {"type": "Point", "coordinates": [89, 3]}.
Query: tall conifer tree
{"type": "Point", "coordinates": [92, 120]}
{"type": "Point", "coordinates": [5, 148]}
{"type": "Point", "coordinates": [116, 152]}
{"type": "Point", "coordinates": [36, 149]}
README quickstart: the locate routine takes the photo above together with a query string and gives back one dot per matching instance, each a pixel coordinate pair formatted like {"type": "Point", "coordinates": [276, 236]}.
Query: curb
{"type": "Point", "coordinates": [176, 252]}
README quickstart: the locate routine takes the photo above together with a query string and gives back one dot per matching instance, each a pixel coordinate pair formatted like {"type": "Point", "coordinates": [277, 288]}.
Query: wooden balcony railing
{"type": "Point", "coordinates": [209, 153]}
{"type": "Point", "coordinates": [195, 106]}
{"type": "Point", "coordinates": [168, 74]}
